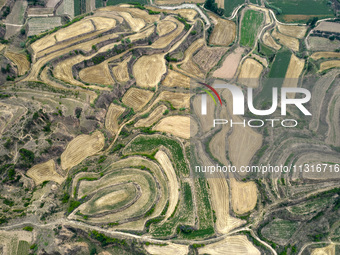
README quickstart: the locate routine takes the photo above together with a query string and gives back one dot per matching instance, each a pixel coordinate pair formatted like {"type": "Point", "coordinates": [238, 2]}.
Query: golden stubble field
{"type": "Point", "coordinates": [80, 148]}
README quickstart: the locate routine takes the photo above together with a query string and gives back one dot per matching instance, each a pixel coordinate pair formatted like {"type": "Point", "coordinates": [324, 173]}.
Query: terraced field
{"type": "Point", "coordinates": [116, 136]}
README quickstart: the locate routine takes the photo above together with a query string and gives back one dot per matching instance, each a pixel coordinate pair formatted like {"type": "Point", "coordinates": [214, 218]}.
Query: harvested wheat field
{"type": "Point", "coordinates": [111, 120]}
{"type": "Point", "coordinates": [103, 23]}
{"type": "Point", "coordinates": [99, 74]}
{"type": "Point", "coordinates": [169, 170]}
{"type": "Point", "coordinates": [45, 172]}
{"type": "Point", "coordinates": [220, 203]}
{"type": "Point", "coordinates": [165, 40]}
{"type": "Point", "coordinates": [250, 73]}
{"type": "Point", "coordinates": [230, 64]}
{"type": "Point", "coordinates": [206, 58]}
{"type": "Point", "coordinates": [328, 250]}
{"type": "Point", "coordinates": [269, 41]}
{"type": "Point", "coordinates": [121, 71]}
{"type": "Point", "coordinates": [137, 98]}
{"type": "Point", "coordinates": [224, 33]}
{"type": "Point", "coordinates": [135, 24]}
{"type": "Point", "coordinates": [293, 73]}
{"type": "Point", "coordinates": [293, 31]}
{"type": "Point", "coordinates": [329, 64]}
{"type": "Point", "coordinates": [155, 116]}
{"type": "Point", "coordinates": [175, 79]}
{"type": "Point", "coordinates": [169, 249]}
{"type": "Point", "coordinates": [289, 42]}
{"type": "Point", "coordinates": [243, 196]}
{"type": "Point", "coordinates": [80, 148]}
{"type": "Point", "coordinates": [148, 70]}
{"type": "Point", "coordinates": [76, 29]}
{"type": "Point", "coordinates": [187, 64]}
{"type": "Point", "coordinates": [20, 60]}
{"type": "Point", "coordinates": [165, 26]}
{"type": "Point", "coordinates": [2, 46]}
{"type": "Point", "coordinates": [181, 126]}
{"type": "Point", "coordinates": [232, 245]}
{"type": "Point", "coordinates": [243, 143]}
{"type": "Point", "coordinates": [178, 100]}
{"type": "Point", "coordinates": [319, 55]}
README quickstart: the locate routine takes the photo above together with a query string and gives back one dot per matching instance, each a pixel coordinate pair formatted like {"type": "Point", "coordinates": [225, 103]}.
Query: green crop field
{"type": "Point", "coordinates": [79, 7]}
{"type": "Point", "coordinates": [302, 10]}
{"type": "Point", "coordinates": [251, 23]}
{"type": "Point", "coordinates": [149, 144]}
{"type": "Point", "coordinates": [311, 206]}
{"type": "Point", "coordinates": [275, 77]}
{"type": "Point", "coordinates": [230, 5]}
{"type": "Point", "coordinates": [279, 229]}
{"type": "Point", "coordinates": [23, 247]}
{"type": "Point", "coordinates": [100, 3]}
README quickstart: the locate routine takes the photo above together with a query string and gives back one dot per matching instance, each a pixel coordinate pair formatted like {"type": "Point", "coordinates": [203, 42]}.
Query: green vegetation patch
{"type": "Point", "coordinates": [251, 23]}
{"type": "Point", "coordinates": [230, 5]}
{"type": "Point", "coordinates": [311, 206]}
{"type": "Point", "coordinates": [280, 230]}
{"type": "Point", "coordinates": [182, 215]}
{"type": "Point", "coordinates": [301, 10]}
{"type": "Point", "coordinates": [149, 144]}
{"type": "Point", "coordinates": [115, 2]}
{"type": "Point", "coordinates": [23, 248]}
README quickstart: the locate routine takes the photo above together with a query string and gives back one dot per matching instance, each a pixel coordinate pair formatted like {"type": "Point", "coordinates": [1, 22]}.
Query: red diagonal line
{"type": "Point", "coordinates": [213, 90]}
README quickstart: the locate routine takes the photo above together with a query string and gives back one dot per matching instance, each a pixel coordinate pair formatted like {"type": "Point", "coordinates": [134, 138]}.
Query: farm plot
{"type": "Point", "coordinates": [206, 58]}
{"type": "Point", "coordinates": [148, 70]}
{"type": "Point", "coordinates": [165, 26]}
{"type": "Point", "coordinates": [173, 2]}
{"type": "Point", "coordinates": [319, 55]}
{"type": "Point", "coordinates": [148, 144]}
{"type": "Point", "coordinates": [250, 73]}
{"type": "Point", "coordinates": [108, 189]}
{"type": "Point", "coordinates": [121, 71]}
{"type": "Point", "coordinates": [177, 100]}
{"type": "Point", "coordinates": [17, 15]}
{"type": "Point", "coordinates": [269, 41]}
{"type": "Point", "coordinates": [329, 64]}
{"type": "Point", "coordinates": [293, 31]}
{"type": "Point", "coordinates": [66, 7]}
{"type": "Point", "coordinates": [111, 120]}
{"type": "Point", "coordinates": [230, 64]}
{"type": "Point", "coordinates": [175, 79]}
{"type": "Point", "coordinates": [135, 24]}
{"type": "Point", "coordinates": [80, 148]}
{"type": "Point", "coordinates": [230, 5]}
{"type": "Point", "coordinates": [76, 29]}
{"type": "Point", "coordinates": [277, 72]}
{"type": "Point", "coordinates": [187, 64]}
{"type": "Point", "coordinates": [243, 196]}
{"type": "Point", "coordinates": [303, 10]}
{"type": "Point", "coordinates": [224, 33]}
{"type": "Point", "coordinates": [289, 42]}
{"type": "Point", "coordinates": [166, 164]}
{"type": "Point", "coordinates": [328, 250]}
{"type": "Point", "coordinates": [322, 44]}
{"type": "Point", "coordinates": [15, 241]}
{"type": "Point", "coordinates": [165, 40]}
{"type": "Point", "coordinates": [41, 24]}
{"type": "Point", "coordinates": [169, 249]}
{"type": "Point", "coordinates": [311, 206]}
{"type": "Point", "coordinates": [250, 27]}
{"type": "Point", "coordinates": [20, 60]}
{"type": "Point", "coordinates": [180, 126]}
{"type": "Point", "coordinates": [280, 231]}
{"type": "Point", "coordinates": [137, 98]}
{"type": "Point", "coordinates": [99, 74]}
{"type": "Point", "coordinates": [45, 172]}
{"type": "Point", "coordinates": [328, 26]}
{"type": "Point", "coordinates": [155, 116]}
{"type": "Point", "coordinates": [293, 73]}
{"type": "Point", "coordinates": [40, 12]}
{"type": "Point", "coordinates": [232, 245]}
